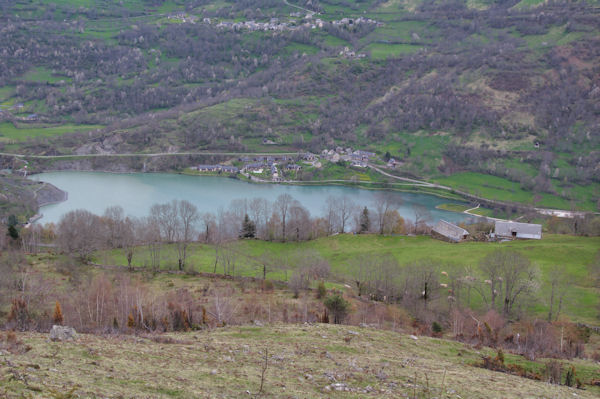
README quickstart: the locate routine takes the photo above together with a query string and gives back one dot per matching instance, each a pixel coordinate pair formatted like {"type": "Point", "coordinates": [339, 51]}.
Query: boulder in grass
{"type": "Point", "coordinates": [62, 333]}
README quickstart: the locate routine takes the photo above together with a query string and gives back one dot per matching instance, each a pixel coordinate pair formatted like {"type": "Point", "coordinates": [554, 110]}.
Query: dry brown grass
{"type": "Point", "coordinates": [304, 361]}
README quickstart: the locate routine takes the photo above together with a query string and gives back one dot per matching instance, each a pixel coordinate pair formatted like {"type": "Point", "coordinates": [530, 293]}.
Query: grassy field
{"type": "Point", "coordinates": [454, 207]}
{"type": "Point", "coordinates": [382, 51]}
{"type": "Point", "coordinates": [501, 189]}
{"type": "Point", "coordinates": [575, 254]}
{"type": "Point", "coordinates": [315, 361]}
{"type": "Point", "coordinates": [8, 131]}
{"type": "Point", "coordinates": [43, 75]}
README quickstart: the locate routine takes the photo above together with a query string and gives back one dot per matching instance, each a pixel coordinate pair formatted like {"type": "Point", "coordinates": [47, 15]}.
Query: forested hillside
{"type": "Point", "coordinates": [454, 90]}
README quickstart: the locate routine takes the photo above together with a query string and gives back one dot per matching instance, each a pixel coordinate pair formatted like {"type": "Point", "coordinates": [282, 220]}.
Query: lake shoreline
{"type": "Point", "coordinates": [135, 191]}
{"type": "Point", "coordinates": [363, 185]}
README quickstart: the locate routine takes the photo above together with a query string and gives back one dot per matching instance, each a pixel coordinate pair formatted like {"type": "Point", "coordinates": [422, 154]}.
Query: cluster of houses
{"type": "Point", "coordinates": [274, 24]}
{"type": "Point", "coordinates": [254, 164]}
{"type": "Point", "coordinates": [183, 17]}
{"type": "Point", "coordinates": [357, 158]}
{"type": "Point", "coordinates": [357, 21]}
{"type": "Point", "coordinates": [216, 168]}
{"type": "Point", "coordinates": [271, 163]}
{"type": "Point", "coordinates": [503, 230]}
{"type": "Point", "coordinates": [347, 53]}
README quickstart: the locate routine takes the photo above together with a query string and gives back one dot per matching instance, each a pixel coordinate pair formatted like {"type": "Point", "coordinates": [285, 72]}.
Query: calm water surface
{"type": "Point", "coordinates": [137, 192]}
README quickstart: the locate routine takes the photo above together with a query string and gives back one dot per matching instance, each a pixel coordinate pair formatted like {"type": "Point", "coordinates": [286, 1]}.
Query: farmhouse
{"type": "Point", "coordinates": [510, 229]}
{"type": "Point", "coordinates": [449, 232]}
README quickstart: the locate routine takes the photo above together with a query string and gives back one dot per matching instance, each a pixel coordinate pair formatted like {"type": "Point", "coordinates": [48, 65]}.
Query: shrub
{"type": "Point", "coordinates": [436, 327]}
{"type": "Point", "coordinates": [57, 317]}
{"type": "Point", "coordinates": [130, 321]}
{"type": "Point", "coordinates": [19, 314]}
{"type": "Point", "coordinates": [570, 377]}
{"type": "Point", "coordinates": [321, 290]}
{"type": "Point", "coordinates": [554, 372]}
{"type": "Point", "coordinates": [338, 307]}
{"type": "Point", "coordinates": [268, 285]}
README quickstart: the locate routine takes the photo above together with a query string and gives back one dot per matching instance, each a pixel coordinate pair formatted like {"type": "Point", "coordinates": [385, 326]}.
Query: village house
{"type": "Point", "coordinates": [206, 168]}
{"type": "Point", "coordinates": [293, 166]}
{"type": "Point", "coordinates": [256, 167]}
{"type": "Point", "coordinates": [364, 155]}
{"type": "Point", "coordinates": [229, 169]}
{"type": "Point", "coordinates": [358, 164]}
{"type": "Point", "coordinates": [447, 231]}
{"type": "Point", "coordinates": [513, 230]}
{"type": "Point", "coordinates": [308, 156]}
{"type": "Point", "coordinates": [216, 168]}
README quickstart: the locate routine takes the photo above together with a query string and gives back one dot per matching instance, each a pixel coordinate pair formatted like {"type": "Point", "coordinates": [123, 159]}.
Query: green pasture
{"type": "Point", "coordinates": [43, 75]}
{"type": "Point", "coordinates": [501, 189]}
{"type": "Point", "coordinates": [574, 254]}
{"type": "Point", "coordinates": [8, 131]}
{"type": "Point", "coordinates": [382, 51]}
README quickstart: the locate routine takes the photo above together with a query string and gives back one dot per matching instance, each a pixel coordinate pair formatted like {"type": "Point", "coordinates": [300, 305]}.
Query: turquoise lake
{"type": "Point", "coordinates": [137, 192]}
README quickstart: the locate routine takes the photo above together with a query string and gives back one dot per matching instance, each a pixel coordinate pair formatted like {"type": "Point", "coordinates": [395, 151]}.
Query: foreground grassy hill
{"type": "Point", "coordinates": [302, 361]}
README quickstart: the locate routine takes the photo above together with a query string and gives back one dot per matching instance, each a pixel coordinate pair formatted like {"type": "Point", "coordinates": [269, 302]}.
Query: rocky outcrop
{"type": "Point", "coordinates": [49, 194]}
{"type": "Point", "coordinates": [62, 333]}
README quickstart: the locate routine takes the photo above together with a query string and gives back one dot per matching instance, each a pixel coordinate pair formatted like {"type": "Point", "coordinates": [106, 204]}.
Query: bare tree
{"type": "Point", "coordinates": [209, 226]}
{"type": "Point", "coordinates": [228, 257]}
{"type": "Point", "coordinates": [151, 236]}
{"type": "Point", "coordinates": [187, 219]}
{"type": "Point", "coordinates": [131, 238]}
{"type": "Point", "coordinates": [510, 275]}
{"type": "Point", "coordinates": [331, 214]}
{"type": "Point", "coordinates": [259, 213]}
{"type": "Point", "coordinates": [422, 216]}
{"type": "Point", "coordinates": [560, 281]}
{"type": "Point", "coordinates": [346, 208]}
{"type": "Point", "coordinates": [385, 202]}
{"type": "Point", "coordinates": [361, 268]}
{"type": "Point", "coordinates": [78, 233]}
{"type": "Point", "coordinates": [421, 284]}
{"type": "Point", "coordinates": [238, 208]}
{"type": "Point", "coordinates": [222, 309]}
{"type": "Point", "coordinates": [30, 238]}
{"type": "Point", "coordinates": [114, 224]}
{"type": "Point", "coordinates": [299, 224]}
{"type": "Point", "coordinates": [282, 206]}
{"type": "Point", "coordinates": [165, 217]}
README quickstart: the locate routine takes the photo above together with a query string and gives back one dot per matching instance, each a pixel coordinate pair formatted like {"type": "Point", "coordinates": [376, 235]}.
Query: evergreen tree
{"type": "Point", "coordinates": [364, 222]}
{"type": "Point", "coordinates": [248, 228]}
{"type": "Point", "coordinates": [338, 307]}
{"type": "Point", "coordinates": [13, 232]}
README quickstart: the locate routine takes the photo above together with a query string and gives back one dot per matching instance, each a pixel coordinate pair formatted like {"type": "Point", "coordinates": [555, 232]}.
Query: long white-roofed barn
{"type": "Point", "coordinates": [508, 229]}
{"type": "Point", "coordinates": [449, 232]}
